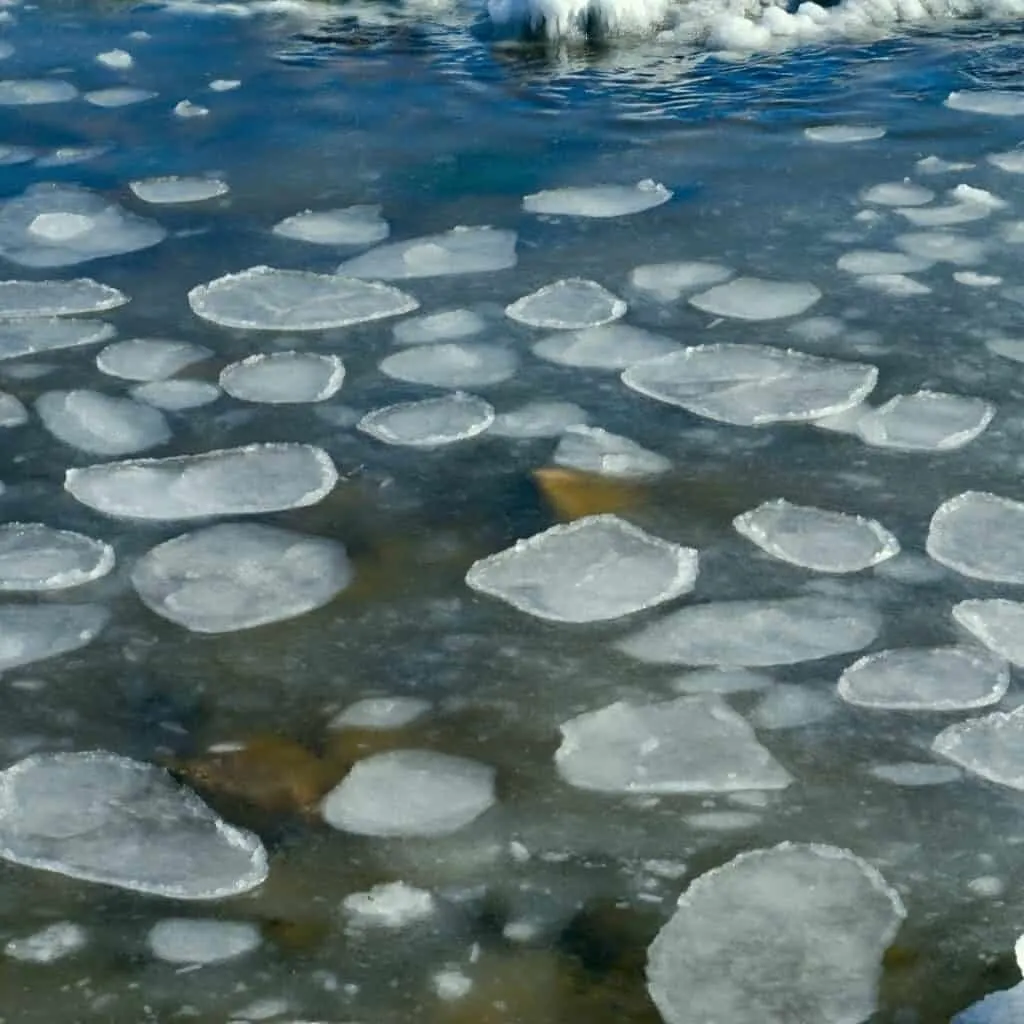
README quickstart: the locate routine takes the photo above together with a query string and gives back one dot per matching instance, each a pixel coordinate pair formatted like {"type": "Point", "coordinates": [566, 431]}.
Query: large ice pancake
{"type": "Point", "coordinates": [102, 424]}
{"type": "Point", "coordinates": [755, 633]}
{"type": "Point", "coordinates": [57, 298]}
{"type": "Point", "coordinates": [687, 745]}
{"type": "Point", "coordinates": [777, 936]}
{"type": "Point", "coordinates": [997, 623]}
{"type": "Point", "coordinates": [751, 385]}
{"type": "Point", "coordinates": [240, 575]}
{"type": "Point", "coordinates": [34, 556]}
{"type": "Point", "coordinates": [30, 336]}
{"type": "Point", "coordinates": [926, 421]}
{"type": "Point", "coordinates": [570, 304]}
{"type": "Point", "coordinates": [230, 481]}
{"type": "Point", "coordinates": [598, 200]}
{"type": "Point", "coordinates": [102, 818]}
{"type": "Point", "coordinates": [591, 570]}
{"type": "Point", "coordinates": [751, 298]}
{"type": "Point", "coordinates": [980, 535]}
{"type": "Point", "coordinates": [991, 746]}
{"type": "Point", "coordinates": [31, 633]}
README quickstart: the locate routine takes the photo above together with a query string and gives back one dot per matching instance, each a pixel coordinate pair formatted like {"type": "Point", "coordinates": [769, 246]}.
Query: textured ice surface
{"type": "Point", "coordinates": [878, 261]}
{"type": "Point", "coordinates": [453, 364]}
{"type": "Point", "coordinates": [28, 92]}
{"type": "Point", "coordinates": [34, 556]}
{"type": "Point", "coordinates": [350, 225]}
{"type": "Point", "coordinates": [539, 419]}
{"type": "Point", "coordinates": [687, 745]}
{"type": "Point", "coordinates": [389, 905]}
{"type": "Point", "coordinates": [594, 450]}
{"type": "Point", "coordinates": [751, 385]}
{"type": "Point", "coordinates": [410, 793]}
{"type": "Point", "coordinates": [728, 953]}
{"type": "Point", "coordinates": [898, 193]}
{"type": "Point", "coordinates": [239, 575]}
{"type": "Point", "coordinates": [997, 623]}
{"type": "Point", "coordinates": [280, 378]}
{"type": "Point", "coordinates": [755, 633]}
{"type": "Point", "coordinates": [599, 200]}
{"type": "Point", "coordinates": [266, 299]}
{"type": "Point", "coordinates": [60, 225]}
{"type": "Point", "coordinates": [149, 358]}
{"type": "Point", "coordinates": [752, 298]}
{"type": "Point", "coordinates": [447, 325]}
{"type": "Point", "coordinates": [570, 304]}
{"type": "Point", "coordinates": [57, 298]}
{"type": "Point", "coordinates": [100, 424]}
{"type": "Point", "coordinates": [31, 633]}
{"type": "Point", "coordinates": [926, 421]}
{"type": "Point", "coordinates": [190, 940]}
{"type": "Point", "coordinates": [103, 818]}
{"type": "Point", "coordinates": [381, 713]}
{"type": "Point", "coordinates": [980, 535]}
{"type": "Point", "coordinates": [843, 133]}
{"type": "Point", "coordinates": [667, 282]}
{"type": "Point", "coordinates": [48, 945]}
{"type": "Point", "coordinates": [991, 746]}
{"type": "Point", "coordinates": [817, 538]}
{"type": "Point", "coordinates": [30, 337]}
{"type": "Point", "coordinates": [590, 570]}
{"type": "Point", "coordinates": [430, 423]}
{"type": "Point", "coordinates": [12, 412]}
{"type": "Point", "coordinates": [790, 706]}
{"type": "Point", "coordinates": [942, 247]}
{"type": "Point", "coordinates": [118, 96]}
{"type": "Point", "coordinates": [230, 481]}
{"type": "Point", "coordinates": [925, 679]}
{"type": "Point", "coordinates": [987, 101]}
{"type": "Point", "coordinates": [176, 395]}
{"type": "Point", "coordinates": [463, 250]}
{"type": "Point", "coordinates": [175, 189]}
{"type": "Point", "coordinates": [612, 347]}
{"type": "Point", "coordinates": [915, 773]}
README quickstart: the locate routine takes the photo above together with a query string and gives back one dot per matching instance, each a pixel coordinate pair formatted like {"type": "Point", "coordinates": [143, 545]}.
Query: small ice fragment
{"type": "Point", "coordinates": [667, 282]}
{"type": "Point", "coordinates": [224, 84]}
{"type": "Point", "coordinates": [187, 940]}
{"type": "Point", "coordinates": [149, 359]}
{"type": "Point", "coordinates": [599, 200]}
{"type": "Point", "coordinates": [36, 557]}
{"type": "Point", "coordinates": [539, 419]}
{"type": "Point", "coordinates": [452, 984]}
{"type": "Point", "coordinates": [871, 261]}
{"type": "Point", "coordinates": [57, 298]}
{"type": "Point", "coordinates": [410, 793]}
{"type": "Point", "coordinates": [117, 59]}
{"type": "Point", "coordinates": [175, 189]}
{"type": "Point", "coordinates": [898, 193]}
{"type": "Point", "coordinates": [752, 298]}
{"type": "Point", "coordinates": [925, 679]}
{"type": "Point", "coordinates": [100, 424]}
{"type": "Point", "coordinates": [943, 247]}
{"type": "Point", "coordinates": [991, 746]}
{"type": "Point", "coordinates": [448, 325]}
{"type": "Point", "coordinates": [915, 773]}
{"type": "Point", "coordinates": [997, 623]}
{"type": "Point", "coordinates": [611, 347]}
{"type": "Point", "coordinates": [897, 285]}
{"type": "Point", "coordinates": [176, 395]}
{"type": "Point", "coordinates": [1012, 162]}
{"type": "Point", "coordinates": [281, 378]}
{"type": "Point", "coordinates": [34, 92]}
{"type": "Point", "coordinates": [455, 364]}
{"type": "Point", "coordinates": [431, 423]}
{"type": "Point", "coordinates": [381, 713]}
{"type": "Point", "coordinates": [570, 304]}
{"type": "Point", "coordinates": [1001, 102]}
{"type": "Point", "coordinates": [187, 109]}
{"type": "Point", "coordinates": [594, 450]}
{"type": "Point", "coordinates": [463, 250]}
{"type": "Point", "coordinates": [979, 535]}
{"type": "Point", "coordinates": [47, 945]}
{"type": "Point", "coordinates": [118, 96]}
{"type": "Point", "coordinates": [928, 421]}
{"type": "Point", "coordinates": [350, 225]}
{"type": "Point", "coordinates": [591, 570]}
{"type": "Point", "coordinates": [842, 133]}
{"type": "Point", "coordinates": [789, 706]}
{"type": "Point", "coordinates": [389, 905]}
{"type": "Point", "coordinates": [975, 280]}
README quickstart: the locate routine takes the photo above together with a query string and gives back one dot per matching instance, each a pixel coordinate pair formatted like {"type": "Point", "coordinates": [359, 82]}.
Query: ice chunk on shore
{"type": "Point", "coordinates": [612, 347]}
{"type": "Point", "coordinates": [925, 679]}
{"type": "Point", "coordinates": [431, 423]}
{"type": "Point", "coordinates": [226, 482]}
{"type": "Point", "coordinates": [594, 450]}
{"type": "Point", "coordinates": [783, 631]}
{"type": "Point", "coordinates": [350, 225]}
{"type": "Point", "coordinates": [174, 189]}
{"type": "Point", "coordinates": [118, 96]}
{"type": "Point", "coordinates": [667, 282]}
{"type": "Point", "coordinates": [410, 793]}
{"type": "Point", "coordinates": [687, 745]}
{"type": "Point", "coordinates": [980, 535]}
{"type": "Point", "coordinates": [599, 200]}
{"type": "Point", "coordinates": [997, 623]}
{"type": "Point", "coordinates": [30, 633]}
{"type": "Point", "coordinates": [453, 364]}
{"type": "Point", "coordinates": [573, 303]}
{"type": "Point", "coordinates": [281, 378]}
{"type": "Point", "coordinates": [817, 538]}
{"type": "Point", "coordinates": [463, 250]}
{"type": "Point", "coordinates": [57, 298]}
{"type": "Point", "coordinates": [236, 576]}
{"type": "Point", "coordinates": [149, 359]}
{"type": "Point", "coordinates": [100, 424]}
{"type": "Point", "coordinates": [590, 570]}
{"type": "Point", "coordinates": [101, 818]}
{"type": "Point", "coordinates": [190, 940]}
{"type": "Point", "coordinates": [991, 746]}
{"type": "Point", "coordinates": [926, 421]}
{"type": "Point", "coordinates": [32, 336]}
{"type": "Point", "coordinates": [36, 557]}
{"type": "Point", "coordinates": [727, 954]}
{"type": "Point", "coordinates": [751, 298]}
{"type": "Point", "coordinates": [267, 299]}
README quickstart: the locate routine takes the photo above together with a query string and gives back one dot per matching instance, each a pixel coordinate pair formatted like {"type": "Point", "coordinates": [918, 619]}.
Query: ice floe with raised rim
{"type": "Point", "coordinates": [349, 225]}
{"type": "Point", "coordinates": [943, 247]}
{"type": "Point", "coordinates": [817, 538]}
{"type": "Point", "coordinates": [598, 200]}
{"type": "Point", "coordinates": [593, 569]}
{"type": "Point", "coordinates": [667, 282]}
{"type": "Point", "coordinates": [381, 713]}
{"type": "Point", "coordinates": [754, 298]}
{"type": "Point", "coordinates": [444, 325]}
{"type": "Point", "coordinates": [235, 576]}
{"type": "Point", "coordinates": [118, 96]}
{"type": "Point", "coordinates": [149, 359]}
{"type": "Point", "coordinates": [251, 480]}
{"type": "Point", "coordinates": [780, 631]}
{"type": "Point", "coordinates": [915, 773]}
{"type": "Point", "coordinates": [752, 385]}
{"type": "Point", "coordinates": [952, 678]}
{"type": "Point", "coordinates": [389, 905]}
{"type": "Point", "coordinates": [991, 746]}
{"type": "Point", "coordinates": [686, 745]}
{"type": "Point", "coordinates": [462, 250]}
{"type": "Point", "coordinates": [430, 423]}
{"type": "Point", "coordinates": [176, 395]}
{"type": "Point", "coordinates": [415, 793]}
{"type": "Point", "coordinates": [32, 92]}
{"type": "Point", "coordinates": [981, 535]}
{"type": "Point", "coordinates": [178, 189]}
{"type": "Point", "coordinates": [539, 419]}
{"type": "Point", "coordinates": [102, 818]}
{"type": "Point", "coordinates": [37, 557]}
{"type": "Point", "coordinates": [791, 706]}
{"type": "Point", "coordinates": [925, 421]}
{"type": "Point", "coordinates": [840, 134]}
{"type": "Point", "coordinates": [195, 941]}
{"type": "Point", "coordinates": [35, 632]}
{"type": "Point", "coordinates": [282, 378]}
{"type": "Point", "coordinates": [452, 364]}
{"type": "Point", "coordinates": [57, 298]}
{"type": "Point", "coordinates": [595, 450]}
{"type": "Point", "coordinates": [897, 193]}
{"type": "Point", "coordinates": [763, 911]}
{"type": "Point", "coordinates": [102, 424]}
{"type": "Point", "coordinates": [572, 303]}
{"type": "Point", "coordinates": [48, 945]}
{"type": "Point", "coordinates": [267, 299]}
{"type": "Point", "coordinates": [877, 261]}
{"type": "Point", "coordinates": [52, 225]}
{"type": "Point", "coordinates": [12, 412]}
{"type": "Point", "coordinates": [997, 623]}
{"type": "Point", "coordinates": [999, 102]}
{"type": "Point", "coordinates": [614, 346]}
